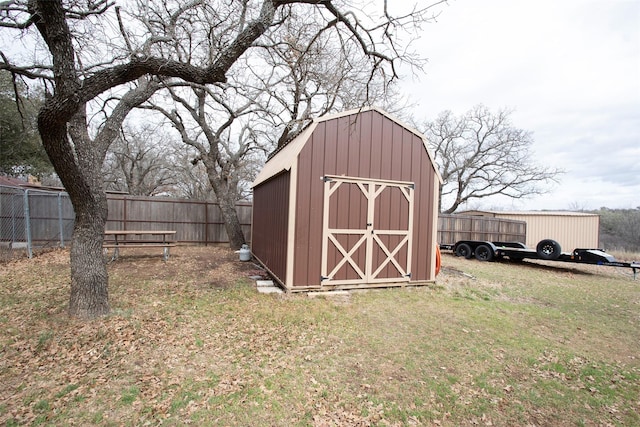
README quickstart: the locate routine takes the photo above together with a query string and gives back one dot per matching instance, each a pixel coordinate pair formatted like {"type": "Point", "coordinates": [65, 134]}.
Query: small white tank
{"type": "Point", "coordinates": [245, 253]}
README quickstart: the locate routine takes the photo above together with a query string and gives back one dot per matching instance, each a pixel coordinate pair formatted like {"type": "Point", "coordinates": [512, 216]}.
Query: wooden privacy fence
{"type": "Point", "coordinates": [32, 218]}
{"type": "Point", "coordinates": [453, 227]}
{"type": "Point", "coordinates": [195, 222]}
{"type": "Point", "coordinates": [200, 222]}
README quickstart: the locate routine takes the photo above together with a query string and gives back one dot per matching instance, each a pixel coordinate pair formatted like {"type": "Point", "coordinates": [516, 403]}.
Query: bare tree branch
{"type": "Point", "coordinates": [480, 154]}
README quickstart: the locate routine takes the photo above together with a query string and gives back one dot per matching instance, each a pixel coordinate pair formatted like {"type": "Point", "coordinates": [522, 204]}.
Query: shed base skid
{"type": "Point", "coordinates": [547, 250]}
{"type": "Point", "coordinates": [339, 287]}
{"type": "Point", "coordinates": [364, 286]}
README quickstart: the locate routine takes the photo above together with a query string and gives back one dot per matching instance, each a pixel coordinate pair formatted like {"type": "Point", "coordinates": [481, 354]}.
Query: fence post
{"type": "Point", "coordinates": [60, 225]}
{"type": "Point", "coordinates": [14, 233]}
{"type": "Point", "coordinates": [27, 223]}
{"type": "Point", "coordinates": [206, 223]}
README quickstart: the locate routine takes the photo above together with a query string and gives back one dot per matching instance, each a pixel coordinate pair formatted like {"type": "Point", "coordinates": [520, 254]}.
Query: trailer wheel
{"type": "Point", "coordinates": [464, 250]}
{"type": "Point", "coordinates": [484, 253]}
{"type": "Point", "coordinates": [548, 249]}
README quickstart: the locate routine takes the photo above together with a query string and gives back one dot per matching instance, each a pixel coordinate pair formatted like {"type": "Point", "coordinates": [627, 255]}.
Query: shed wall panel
{"type": "Point", "coordinates": [426, 215]}
{"type": "Point", "coordinates": [302, 214]}
{"type": "Point", "coordinates": [374, 166]}
{"type": "Point", "coordinates": [342, 147]}
{"type": "Point", "coordinates": [270, 224]}
{"type": "Point", "coordinates": [422, 206]}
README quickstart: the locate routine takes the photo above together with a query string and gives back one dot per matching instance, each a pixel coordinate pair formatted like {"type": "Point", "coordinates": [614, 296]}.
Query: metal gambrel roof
{"type": "Point", "coordinates": [284, 159]}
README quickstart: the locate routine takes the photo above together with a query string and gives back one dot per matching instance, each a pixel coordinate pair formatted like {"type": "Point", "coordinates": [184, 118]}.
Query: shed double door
{"type": "Point", "coordinates": [367, 231]}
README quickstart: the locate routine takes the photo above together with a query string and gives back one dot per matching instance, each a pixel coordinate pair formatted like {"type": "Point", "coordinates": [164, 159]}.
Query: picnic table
{"type": "Point", "coordinates": [117, 239]}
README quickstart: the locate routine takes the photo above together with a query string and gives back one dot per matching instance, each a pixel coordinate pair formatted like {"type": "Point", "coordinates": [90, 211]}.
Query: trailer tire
{"type": "Point", "coordinates": [484, 253]}
{"type": "Point", "coordinates": [464, 250]}
{"type": "Point", "coordinates": [548, 249]}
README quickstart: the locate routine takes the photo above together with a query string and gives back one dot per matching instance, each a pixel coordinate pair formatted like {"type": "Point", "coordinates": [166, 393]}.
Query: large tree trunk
{"type": "Point", "coordinates": [227, 202]}
{"type": "Point", "coordinates": [226, 194]}
{"type": "Point", "coordinates": [231, 222]}
{"type": "Point", "coordinates": [89, 296]}
{"type": "Point", "coordinates": [225, 186]}
{"type": "Point", "coordinates": [78, 166]}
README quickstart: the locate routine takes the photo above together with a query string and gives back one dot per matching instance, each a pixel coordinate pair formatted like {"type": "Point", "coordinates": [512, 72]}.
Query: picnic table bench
{"type": "Point", "coordinates": [117, 239]}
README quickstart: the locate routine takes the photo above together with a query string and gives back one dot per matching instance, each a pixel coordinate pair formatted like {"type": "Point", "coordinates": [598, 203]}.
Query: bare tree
{"type": "Point", "coordinates": [313, 73]}
{"type": "Point", "coordinates": [192, 181]}
{"type": "Point", "coordinates": [141, 162]}
{"type": "Point", "coordinates": [85, 60]}
{"type": "Point", "coordinates": [148, 161]}
{"type": "Point", "coordinates": [480, 154]}
{"type": "Point", "coordinates": [215, 122]}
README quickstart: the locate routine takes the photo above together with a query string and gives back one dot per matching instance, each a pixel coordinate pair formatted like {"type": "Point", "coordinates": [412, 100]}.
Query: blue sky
{"type": "Point", "coordinates": [569, 69]}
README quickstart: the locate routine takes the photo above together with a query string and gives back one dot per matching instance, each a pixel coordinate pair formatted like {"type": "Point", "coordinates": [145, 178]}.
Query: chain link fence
{"type": "Point", "coordinates": [32, 219]}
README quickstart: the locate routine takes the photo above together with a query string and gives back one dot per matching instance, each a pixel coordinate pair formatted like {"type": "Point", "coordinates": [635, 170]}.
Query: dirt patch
{"type": "Point", "coordinates": [214, 266]}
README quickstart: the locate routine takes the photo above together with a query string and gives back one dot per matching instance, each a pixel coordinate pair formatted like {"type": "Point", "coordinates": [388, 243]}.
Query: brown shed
{"type": "Point", "coordinates": [349, 203]}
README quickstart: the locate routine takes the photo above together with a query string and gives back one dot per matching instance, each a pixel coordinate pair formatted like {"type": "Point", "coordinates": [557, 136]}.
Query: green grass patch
{"type": "Point", "coordinates": [68, 389]}
{"type": "Point", "coordinates": [129, 395]}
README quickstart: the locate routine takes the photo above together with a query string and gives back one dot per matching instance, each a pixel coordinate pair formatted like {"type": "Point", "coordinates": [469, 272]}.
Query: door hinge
{"type": "Point", "coordinates": [323, 278]}
{"type": "Point", "coordinates": [326, 179]}
{"type": "Point", "coordinates": [408, 275]}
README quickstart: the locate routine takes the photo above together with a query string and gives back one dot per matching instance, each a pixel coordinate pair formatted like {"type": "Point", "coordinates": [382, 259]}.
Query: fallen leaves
{"type": "Point", "coordinates": [189, 341]}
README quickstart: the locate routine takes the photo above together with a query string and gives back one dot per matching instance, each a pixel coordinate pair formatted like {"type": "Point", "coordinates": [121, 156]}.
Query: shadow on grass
{"type": "Point", "coordinates": [558, 267]}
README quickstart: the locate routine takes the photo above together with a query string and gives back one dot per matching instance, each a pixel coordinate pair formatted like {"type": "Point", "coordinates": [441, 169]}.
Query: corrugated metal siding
{"type": "Point", "coordinates": [270, 224]}
{"type": "Point", "coordinates": [367, 145]}
{"type": "Point", "coordinates": [570, 229]}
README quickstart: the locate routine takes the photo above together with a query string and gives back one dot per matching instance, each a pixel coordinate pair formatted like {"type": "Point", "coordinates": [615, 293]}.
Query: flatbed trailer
{"type": "Point", "coordinates": [547, 250]}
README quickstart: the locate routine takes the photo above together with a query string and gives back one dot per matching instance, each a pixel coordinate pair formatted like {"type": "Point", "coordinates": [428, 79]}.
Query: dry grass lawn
{"type": "Point", "coordinates": [190, 341]}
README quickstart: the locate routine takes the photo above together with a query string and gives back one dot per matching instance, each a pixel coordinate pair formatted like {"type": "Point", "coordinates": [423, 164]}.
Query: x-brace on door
{"type": "Point", "coordinates": [367, 231]}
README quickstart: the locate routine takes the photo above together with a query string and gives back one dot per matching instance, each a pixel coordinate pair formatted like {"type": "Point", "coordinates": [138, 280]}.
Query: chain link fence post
{"type": "Point", "coordinates": [12, 221]}
{"type": "Point", "coordinates": [60, 221]}
{"type": "Point", "coordinates": [27, 224]}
